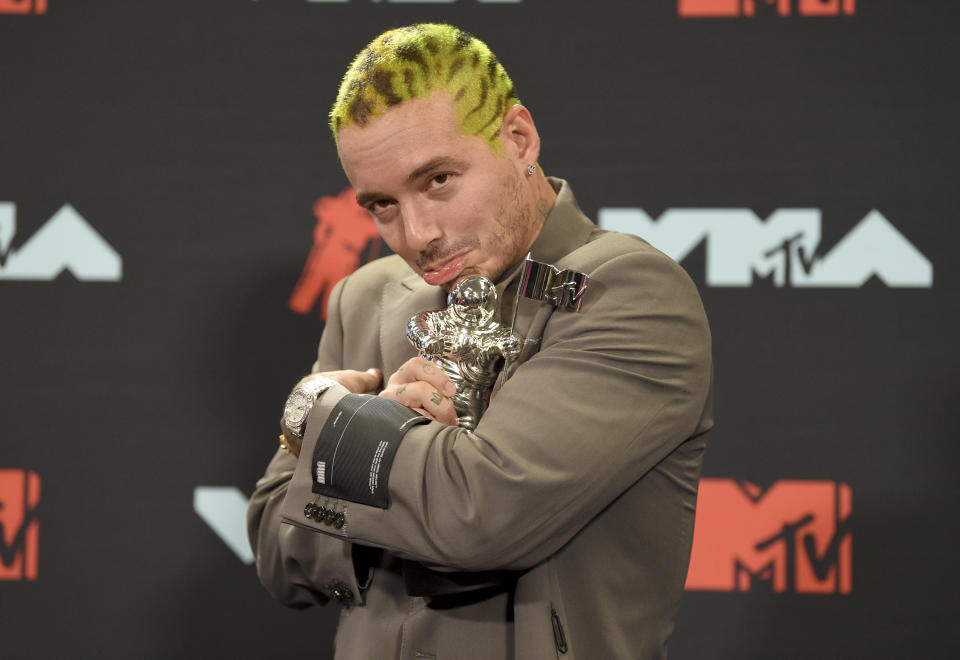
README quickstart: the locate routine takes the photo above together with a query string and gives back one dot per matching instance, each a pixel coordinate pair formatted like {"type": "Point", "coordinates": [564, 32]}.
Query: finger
{"type": "Point", "coordinates": [438, 412]}
{"type": "Point", "coordinates": [422, 369]}
{"type": "Point", "coordinates": [370, 379]}
{"type": "Point", "coordinates": [441, 408]}
{"type": "Point", "coordinates": [421, 394]}
{"type": "Point", "coordinates": [433, 374]}
{"type": "Point", "coordinates": [357, 382]}
{"type": "Point", "coordinates": [425, 413]}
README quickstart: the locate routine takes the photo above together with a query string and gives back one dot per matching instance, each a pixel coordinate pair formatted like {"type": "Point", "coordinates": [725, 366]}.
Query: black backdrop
{"type": "Point", "coordinates": [191, 137]}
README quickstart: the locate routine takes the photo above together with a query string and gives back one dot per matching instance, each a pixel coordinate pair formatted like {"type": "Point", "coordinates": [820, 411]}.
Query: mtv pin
{"type": "Point", "coordinates": [561, 288]}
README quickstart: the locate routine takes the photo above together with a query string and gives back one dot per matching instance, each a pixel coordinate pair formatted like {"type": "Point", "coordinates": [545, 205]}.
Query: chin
{"type": "Point", "coordinates": [466, 272]}
{"type": "Point", "coordinates": [449, 286]}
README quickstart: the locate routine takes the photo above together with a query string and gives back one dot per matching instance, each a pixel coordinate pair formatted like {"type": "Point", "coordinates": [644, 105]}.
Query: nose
{"type": "Point", "coordinates": [420, 227]}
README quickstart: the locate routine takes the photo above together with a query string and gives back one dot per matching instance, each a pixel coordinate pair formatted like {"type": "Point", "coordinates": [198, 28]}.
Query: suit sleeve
{"type": "Point", "coordinates": [613, 390]}
{"type": "Point", "coordinates": [299, 567]}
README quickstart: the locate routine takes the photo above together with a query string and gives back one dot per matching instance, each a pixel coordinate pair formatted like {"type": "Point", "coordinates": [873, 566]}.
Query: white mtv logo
{"type": "Point", "coordinates": [65, 242]}
{"type": "Point", "coordinates": [740, 246]}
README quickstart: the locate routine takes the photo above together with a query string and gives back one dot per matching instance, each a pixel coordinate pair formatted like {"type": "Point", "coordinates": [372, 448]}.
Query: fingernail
{"type": "Point", "coordinates": [374, 371]}
{"type": "Point", "coordinates": [450, 389]}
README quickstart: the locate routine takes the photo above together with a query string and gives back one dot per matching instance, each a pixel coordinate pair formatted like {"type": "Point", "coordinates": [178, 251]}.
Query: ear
{"type": "Point", "coordinates": [519, 136]}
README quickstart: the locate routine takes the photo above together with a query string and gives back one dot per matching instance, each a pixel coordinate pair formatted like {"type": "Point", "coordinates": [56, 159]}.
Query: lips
{"type": "Point", "coordinates": [445, 271]}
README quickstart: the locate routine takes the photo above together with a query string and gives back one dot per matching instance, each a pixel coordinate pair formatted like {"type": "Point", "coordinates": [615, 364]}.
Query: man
{"type": "Point", "coordinates": [561, 526]}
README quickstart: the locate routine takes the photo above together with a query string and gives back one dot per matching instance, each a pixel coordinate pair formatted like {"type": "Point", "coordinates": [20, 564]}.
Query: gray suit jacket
{"type": "Point", "coordinates": [561, 527]}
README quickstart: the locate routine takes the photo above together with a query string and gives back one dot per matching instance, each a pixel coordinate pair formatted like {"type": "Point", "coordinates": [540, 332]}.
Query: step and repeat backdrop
{"type": "Point", "coordinates": [172, 216]}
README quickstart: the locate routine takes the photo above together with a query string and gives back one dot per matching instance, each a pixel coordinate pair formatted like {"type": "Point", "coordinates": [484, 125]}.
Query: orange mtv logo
{"type": "Point", "coordinates": [792, 537]}
{"type": "Point", "coordinates": [19, 527]}
{"type": "Point", "coordinates": [344, 239]}
{"type": "Point", "coordinates": [730, 8]}
{"type": "Point", "coordinates": [23, 6]}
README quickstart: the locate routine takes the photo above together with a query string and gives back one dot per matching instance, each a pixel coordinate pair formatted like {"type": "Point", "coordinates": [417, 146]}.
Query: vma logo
{"type": "Point", "coordinates": [65, 242]}
{"type": "Point", "coordinates": [741, 247]}
{"type": "Point", "coordinates": [793, 537]}
{"type": "Point", "coordinates": [344, 239]}
{"type": "Point", "coordinates": [23, 6]}
{"type": "Point", "coordinates": [733, 8]}
{"type": "Point", "coordinates": [19, 527]}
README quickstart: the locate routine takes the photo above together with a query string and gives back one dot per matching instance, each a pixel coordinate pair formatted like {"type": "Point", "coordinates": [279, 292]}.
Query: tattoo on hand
{"type": "Point", "coordinates": [436, 398]}
{"type": "Point", "coordinates": [428, 369]}
{"type": "Point", "coordinates": [401, 389]}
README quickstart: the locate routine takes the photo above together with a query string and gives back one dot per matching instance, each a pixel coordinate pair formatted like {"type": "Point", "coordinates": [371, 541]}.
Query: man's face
{"type": "Point", "coordinates": [442, 200]}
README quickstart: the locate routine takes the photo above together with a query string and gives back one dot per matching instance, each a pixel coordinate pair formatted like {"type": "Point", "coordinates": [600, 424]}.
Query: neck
{"type": "Point", "coordinates": [544, 197]}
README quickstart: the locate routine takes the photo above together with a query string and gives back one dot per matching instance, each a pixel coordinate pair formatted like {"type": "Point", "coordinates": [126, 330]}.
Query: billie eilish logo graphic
{"type": "Point", "coordinates": [345, 238]}
{"type": "Point", "coordinates": [19, 526]}
{"type": "Point", "coordinates": [793, 537]}
{"type": "Point", "coordinates": [734, 8]}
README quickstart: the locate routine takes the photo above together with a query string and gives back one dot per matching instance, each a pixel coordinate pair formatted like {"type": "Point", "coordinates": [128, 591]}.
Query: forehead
{"type": "Point", "coordinates": [403, 138]}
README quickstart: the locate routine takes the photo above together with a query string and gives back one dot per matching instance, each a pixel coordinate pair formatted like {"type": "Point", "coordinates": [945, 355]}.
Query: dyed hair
{"type": "Point", "coordinates": [413, 62]}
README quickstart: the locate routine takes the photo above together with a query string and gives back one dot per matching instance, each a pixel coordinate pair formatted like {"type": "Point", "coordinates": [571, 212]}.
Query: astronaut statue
{"type": "Point", "coordinates": [467, 343]}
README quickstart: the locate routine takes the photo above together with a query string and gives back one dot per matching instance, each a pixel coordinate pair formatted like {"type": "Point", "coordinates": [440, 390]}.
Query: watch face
{"type": "Point", "coordinates": [295, 412]}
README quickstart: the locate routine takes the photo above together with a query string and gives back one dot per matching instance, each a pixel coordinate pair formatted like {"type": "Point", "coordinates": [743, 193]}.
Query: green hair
{"type": "Point", "coordinates": [413, 62]}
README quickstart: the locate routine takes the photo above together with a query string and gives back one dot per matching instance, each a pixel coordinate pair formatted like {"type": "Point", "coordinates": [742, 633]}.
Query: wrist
{"type": "Point", "coordinates": [299, 404]}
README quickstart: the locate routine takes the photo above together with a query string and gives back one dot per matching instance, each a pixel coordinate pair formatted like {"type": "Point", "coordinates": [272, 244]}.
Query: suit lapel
{"type": "Point", "coordinates": [401, 300]}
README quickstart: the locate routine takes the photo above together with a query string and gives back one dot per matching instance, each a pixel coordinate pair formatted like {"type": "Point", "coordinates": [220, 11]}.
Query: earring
{"type": "Point", "coordinates": [531, 169]}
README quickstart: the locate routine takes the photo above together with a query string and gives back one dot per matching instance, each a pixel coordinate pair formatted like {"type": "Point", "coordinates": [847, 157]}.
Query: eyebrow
{"type": "Point", "coordinates": [433, 164]}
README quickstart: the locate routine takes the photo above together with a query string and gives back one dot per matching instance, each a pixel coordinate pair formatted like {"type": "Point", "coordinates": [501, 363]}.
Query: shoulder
{"type": "Point", "coordinates": [369, 280]}
{"type": "Point", "coordinates": [637, 294]}
{"type": "Point", "coordinates": [639, 304]}
{"type": "Point", "coordinates": [625, 258]}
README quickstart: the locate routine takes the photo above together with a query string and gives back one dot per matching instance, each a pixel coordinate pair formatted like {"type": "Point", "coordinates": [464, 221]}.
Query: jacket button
{"type": "Point", "coordinates": [339, 520]}
{"type": "Point", "coordinates": [308, 510]}
{"type": "Point", "coordinates": [328, 516]}
{"type": "Point", "coordinates": [319, 512]}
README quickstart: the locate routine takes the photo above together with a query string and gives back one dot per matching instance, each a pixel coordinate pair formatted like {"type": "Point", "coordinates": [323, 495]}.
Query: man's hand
{"type": "Point", "coordinates": [423, 386]}
{"type": "Point", "coordinates": [358, 382]}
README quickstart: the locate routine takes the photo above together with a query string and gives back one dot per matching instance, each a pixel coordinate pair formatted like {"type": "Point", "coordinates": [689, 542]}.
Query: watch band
{"type": "Point", "coordinates": [301, 400]}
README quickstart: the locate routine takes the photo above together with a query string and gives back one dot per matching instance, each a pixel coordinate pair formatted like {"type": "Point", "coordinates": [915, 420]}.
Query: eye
{"type": "Point", "coordinates": [439, 180]}
{"type": "Point", "coordinates": [381, 209]}
{"type": "Point", "coordinates": [379, 206]}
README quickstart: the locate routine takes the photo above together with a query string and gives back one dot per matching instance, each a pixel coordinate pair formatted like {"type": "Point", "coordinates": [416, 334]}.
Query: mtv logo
{"type": "Point", "coordinates": [733, 8]}
{"type": "Point", "coordinates": [792, 537]}
{"type": "Point", "coordinates": [65, 242]}
{"type": "Point", "coordinates": [740, 246]}
{"type": "Point", "coordinates": [19, 527]}
{"type": "Point", "coordinates": [23, 6]}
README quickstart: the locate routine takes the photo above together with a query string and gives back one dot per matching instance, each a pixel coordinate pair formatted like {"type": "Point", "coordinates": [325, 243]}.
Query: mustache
{"type": "Point", "coordinates": [437, 254]}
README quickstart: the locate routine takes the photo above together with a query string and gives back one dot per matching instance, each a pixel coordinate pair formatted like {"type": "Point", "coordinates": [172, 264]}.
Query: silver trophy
{"type": "Point", "coordinates": [467, 343]}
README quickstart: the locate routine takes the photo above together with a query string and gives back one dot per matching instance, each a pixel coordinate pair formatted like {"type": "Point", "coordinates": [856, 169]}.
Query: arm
{"type": "Point", "coordinates": [613, 391]}
{"type": "Point", "coordinates": [299, 568]}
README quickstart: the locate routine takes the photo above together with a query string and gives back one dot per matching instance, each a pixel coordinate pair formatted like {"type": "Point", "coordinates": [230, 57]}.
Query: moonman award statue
{"type": "Point", "coordinates": [467, 343]}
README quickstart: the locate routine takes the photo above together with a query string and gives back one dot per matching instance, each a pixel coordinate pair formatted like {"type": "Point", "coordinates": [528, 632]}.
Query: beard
{"type": "Point", "coordinates": [508, 243]}
{"type": "Point", "coordinates": [515, 219]}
